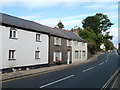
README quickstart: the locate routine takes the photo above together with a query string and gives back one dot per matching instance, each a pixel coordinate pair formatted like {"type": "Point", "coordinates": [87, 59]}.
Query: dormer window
{"type": "Point", "coordinates": [13, 33]}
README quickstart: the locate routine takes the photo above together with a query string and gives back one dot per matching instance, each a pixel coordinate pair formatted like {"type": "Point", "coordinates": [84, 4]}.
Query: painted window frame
{"type": "Point", "coordinates": [83, 44]}
{"type": "Point", "coordinates": [83, 53]}
{"type": "Point", "coordinates": [76, 54]}
{"type": "Point", "coordinates": [12, 55]}
{"type": "Point", "coordinates": [69, 43]}
{"type": "Point", "coordinates": [76, 43]}
{"type": "Point", "coordinates": [38, 37]}
{"type": "Point", "coordinates": [37, 54]}
{"type": "Point", "coordinates": [57, 41]}
{"type": "Point", "coordinates": [56, 55]}
{"type": "Point", "coordinates": [13, 33]}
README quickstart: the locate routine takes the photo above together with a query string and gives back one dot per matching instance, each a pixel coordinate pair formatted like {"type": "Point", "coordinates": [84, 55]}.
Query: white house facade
{"type": "Point", "coordinates": [78, 45]}
{"type": "Point", "coordinates": [22, 48]}
{"type": "Point", "coordinates": [79, 51]}
{"type": "Point", "coordinates": [102, 46]}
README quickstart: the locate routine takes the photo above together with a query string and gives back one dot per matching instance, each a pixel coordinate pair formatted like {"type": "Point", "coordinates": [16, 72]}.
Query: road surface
{"type": "Point", "coordinates": [91, 75]}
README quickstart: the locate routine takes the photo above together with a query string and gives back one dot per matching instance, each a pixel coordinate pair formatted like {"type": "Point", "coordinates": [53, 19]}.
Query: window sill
{"type": "Point", "coordinates": [11, 59]}
{"type": "Point", "coordinates": [38, 41]}
{"type": "Point", "coordinates": [37, 58]}
{"type": "Point", "coordinates": [57, 44]}
{"type": "Point", "coordinates": [13, 38]}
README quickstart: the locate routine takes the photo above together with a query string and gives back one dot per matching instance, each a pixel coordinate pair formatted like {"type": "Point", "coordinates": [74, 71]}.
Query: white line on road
{"type": "Point", "coordinates": [56, 81]}
{"type": "Point", "coordinates": [106, 61]}
{"type": "Point", "coordinates": [108, 56]}
{"type": "Point", "coordinates": [114, 82]}
{"type": "Point", "coordinates": [101, 63]}
{"type": "Point", "coordinates": [89, 69]}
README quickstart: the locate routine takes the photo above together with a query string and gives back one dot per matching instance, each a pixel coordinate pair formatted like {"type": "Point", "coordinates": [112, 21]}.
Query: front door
{"type": "Point", "coordinates": [68, 57]}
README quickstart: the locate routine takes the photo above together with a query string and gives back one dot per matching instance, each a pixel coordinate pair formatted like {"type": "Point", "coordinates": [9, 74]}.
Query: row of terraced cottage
{"type": "Point", "coordinates": [27, 44]}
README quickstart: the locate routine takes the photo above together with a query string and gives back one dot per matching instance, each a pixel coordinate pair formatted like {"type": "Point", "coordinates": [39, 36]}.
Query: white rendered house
{"type": "Point", "coordinates": [79, 51]}
{"type": "Point", "coordinates": [79, 47]}
{"type": "Point", "coordinates": [20, 46]}
{"type": "Point", "coordinates": [102, 46]}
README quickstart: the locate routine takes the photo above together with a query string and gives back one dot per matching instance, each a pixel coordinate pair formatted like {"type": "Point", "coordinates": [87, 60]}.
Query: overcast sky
{"type": "Point", "coordinates": [70, 12]}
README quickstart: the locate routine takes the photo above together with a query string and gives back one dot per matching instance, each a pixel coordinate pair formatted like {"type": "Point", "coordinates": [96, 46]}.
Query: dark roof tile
{"type": "Point", "coordinates": [30, 25]}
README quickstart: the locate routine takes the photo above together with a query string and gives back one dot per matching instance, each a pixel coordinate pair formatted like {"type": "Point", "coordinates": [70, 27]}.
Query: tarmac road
{"type": "Point", "coordinates": [90, 75]}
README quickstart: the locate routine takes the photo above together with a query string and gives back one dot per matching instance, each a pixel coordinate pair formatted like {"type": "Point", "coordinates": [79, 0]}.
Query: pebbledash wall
{"type": "Point", "coordinates": [25, 46]}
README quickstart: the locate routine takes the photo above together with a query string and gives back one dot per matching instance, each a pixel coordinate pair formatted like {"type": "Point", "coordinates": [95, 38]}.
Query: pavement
{"type": "Point", "coordinates": [17, 74]}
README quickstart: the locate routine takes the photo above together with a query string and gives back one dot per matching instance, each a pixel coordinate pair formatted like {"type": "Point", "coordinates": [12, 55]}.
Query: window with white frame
{"type": "Point", "coordinates": [57, 56]}
{"type": "Point", "coordinates": [83, 44]}
{"type": "Point", "coordinates": [68, 43]}
{"type": "Point", "coordinates": [37, 54]}
{"type": "Point", "coordinates": [76, 43]}
{"type": "Point", "coordinates": [11, 54]}
{"type": "Point", "coordinates": [38, 37]}
{"type": "Point", "coordinates": [76, 54]}
{"type": "Point", "coordinates": [57, 41]}
{"type": "Point", "coordinates": [13, 33]}
{"type": "Point", "coordinates": [83, 53]}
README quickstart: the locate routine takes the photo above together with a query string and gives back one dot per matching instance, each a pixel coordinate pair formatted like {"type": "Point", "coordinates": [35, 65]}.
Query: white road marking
{"type": "Point", "coordinates": [108, 56]}
{"type": "Point", "coordinates": [89, 69]}
{"type": "Point", "coordinates": [101, 63]}
{"type": "Point", "coordinates": [114, 82]}
{"type": "Point", "coordinates": [56, 81]}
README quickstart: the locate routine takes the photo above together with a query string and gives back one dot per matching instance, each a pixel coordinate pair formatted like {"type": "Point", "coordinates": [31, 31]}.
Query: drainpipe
{"type": "Point", "coordinates": [49, 50]}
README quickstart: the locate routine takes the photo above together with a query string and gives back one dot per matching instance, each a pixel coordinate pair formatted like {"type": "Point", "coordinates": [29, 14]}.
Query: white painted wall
{"type": "Point", "coordinates": [0, 48]}
{"type": "Point", "coordinates": [25, 47]}
{"type": "Point", "coordinates": [79, 48]}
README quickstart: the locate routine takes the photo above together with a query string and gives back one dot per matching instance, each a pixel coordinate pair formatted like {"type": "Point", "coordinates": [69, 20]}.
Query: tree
{"type": "Point", "coordinates": [105, 22]}
{"type": "Point", "coordinates": [60, 25]}
{"type": "Point", "coordinates": [109, 45]}
{"type": "Point", "coordinates": [99, 24]}
{"type": "Point", "coordinates": [92, 22]}
{"type": "Point", "coordinates": [107, 36]}
{"type": "Point", "coordinates": [89, 35]}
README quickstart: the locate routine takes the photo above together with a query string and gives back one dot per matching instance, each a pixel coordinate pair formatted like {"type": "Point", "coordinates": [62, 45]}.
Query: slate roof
{"type": "Point", "coordinates": [21, 23]}
{"type": "Point", "coordinates": [73, 36]}
{"type": "Point", "coordinates": [33, 26]}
